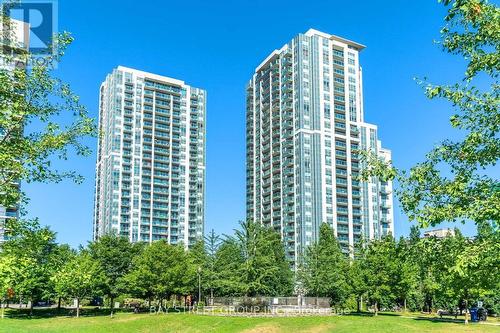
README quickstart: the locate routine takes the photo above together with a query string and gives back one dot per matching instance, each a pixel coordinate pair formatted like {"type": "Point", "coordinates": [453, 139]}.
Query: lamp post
{"type": "Point", "coordinates": [199, 285]}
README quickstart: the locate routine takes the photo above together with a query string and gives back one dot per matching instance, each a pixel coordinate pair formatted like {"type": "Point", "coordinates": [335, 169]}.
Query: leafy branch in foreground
{"type": "Point", "coordinates": [452, 183]}
{"type": "Point", "coordinates": [41, 120]}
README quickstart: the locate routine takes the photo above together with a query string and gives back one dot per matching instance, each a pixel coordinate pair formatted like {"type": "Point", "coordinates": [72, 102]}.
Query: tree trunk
{"type": "Point", "coordinates": [358, 305]}
{"type": "Point", "coordinates": [466, 312]}
{"type": "Point", "coordinates": [31, 306]}
{"type": "Point", "coordinates": [59, 303]}
{"type": "Point", "coordinates": [376, 309]}
{"type": "Point", "coordinates": [111, 305]}
{"type": "Point", "coordinates": [405, 304]}
{"type": "Point", "coordinates": [160, 306]}
{"type": "Point", "coordinates": [3, 309]}
{"type": "Point", "coordinates": [77, 307]}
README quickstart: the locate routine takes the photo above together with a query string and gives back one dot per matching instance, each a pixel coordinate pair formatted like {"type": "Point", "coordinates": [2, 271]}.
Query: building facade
{"type": "Point", "coordinates": [150, 170]}
{"type": "Point", "coordinates": [439, 233]}
{"type": "Point", "coordinates": [17, 43]}
{"type": "Point", "coordinates": [305, 122]}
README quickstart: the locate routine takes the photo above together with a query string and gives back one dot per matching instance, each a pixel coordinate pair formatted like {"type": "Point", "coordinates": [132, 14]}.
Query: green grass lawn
{"type": "Point", "coordinates": [126, 322]}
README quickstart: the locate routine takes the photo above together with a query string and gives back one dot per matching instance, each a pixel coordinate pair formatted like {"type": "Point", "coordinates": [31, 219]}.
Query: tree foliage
{"type": "Point", "coordinates": [33, 250]}
{"type": "Point", "coordinates": [41, 119]}
{"type": "Point", "coordinates": [228, 262]}
{"type": "Point", "coordinates": [79, 278]}
{"type": "Point", "coordinates": [264, 269]}
{"type": "Point", "coordinates": [380, 271]}
{"type": "Point", "coordinates": [160, 271]}
{"type": "Point", "coordinates": [212, 243]}
{"type": "Point", "coordinates": [325, 269]}
{"type": "Point", "coordinates": [452, 183]}
{"type": "Point", "coordinates": [114, 254]}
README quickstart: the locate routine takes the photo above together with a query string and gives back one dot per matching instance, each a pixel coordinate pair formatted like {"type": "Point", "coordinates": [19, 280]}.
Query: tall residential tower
{"type": "Point", "coordinates": [150, 172]}
{"type": "Point", "coordinates": [305, 122]}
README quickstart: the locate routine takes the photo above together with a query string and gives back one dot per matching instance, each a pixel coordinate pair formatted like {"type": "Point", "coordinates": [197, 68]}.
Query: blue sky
{"type": "Point", "coordinates": [216, 45]}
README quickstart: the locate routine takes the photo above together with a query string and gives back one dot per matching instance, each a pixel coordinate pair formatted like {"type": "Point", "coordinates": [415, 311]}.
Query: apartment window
{"type": "Point", "coordinates": [338, 53]}
{"type": "Point", "coordinates": [339, 71]}
{"type": "Point", "coordinates": [327, 111]}
{"type": "Point", "coordinates": [326, 84]}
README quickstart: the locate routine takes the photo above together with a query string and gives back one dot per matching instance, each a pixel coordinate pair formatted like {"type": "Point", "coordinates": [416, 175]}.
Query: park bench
{"type": "Point", "coordinates": [442, 313]}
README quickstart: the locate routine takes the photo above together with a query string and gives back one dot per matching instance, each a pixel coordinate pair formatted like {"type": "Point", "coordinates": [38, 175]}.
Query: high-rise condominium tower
{"type": "Point", "coordinates": [305, 122]}
{"type": "Point", "coordinates": [150, 172]}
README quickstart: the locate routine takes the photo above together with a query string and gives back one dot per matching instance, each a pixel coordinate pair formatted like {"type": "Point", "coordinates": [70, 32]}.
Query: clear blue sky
{"type": "Point", "coordinates": [216, 45]}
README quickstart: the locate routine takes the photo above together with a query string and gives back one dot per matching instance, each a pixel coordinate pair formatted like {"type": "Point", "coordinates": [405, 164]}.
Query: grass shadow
{"type": "Point", "coordinates": [24, 314]}
{"type": "Point", "coordinates": [390, 314]}
{"type": "Point", "coordinates": [441, 320]}
{"type": "Point", "coordinates": [371, 314]}
{"type": "Point", "coordinates": [359, 314]}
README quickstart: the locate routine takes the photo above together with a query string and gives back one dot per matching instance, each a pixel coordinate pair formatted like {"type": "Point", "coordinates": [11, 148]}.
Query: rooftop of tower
{"type": "Point", "coordinates": [152, 76]}
{"type": "Point", "coordinates": [312, 32]}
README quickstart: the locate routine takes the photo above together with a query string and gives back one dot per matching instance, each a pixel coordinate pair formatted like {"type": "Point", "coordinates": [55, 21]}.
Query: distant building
{"type": "Point", "coordinates": [305, 124]}
{"type": "Point", "coordinates": [439, 233]}
{"type": "Point", "coordinates": [150, 171]}
{"type": "Point", "coordinates": [12, 44]}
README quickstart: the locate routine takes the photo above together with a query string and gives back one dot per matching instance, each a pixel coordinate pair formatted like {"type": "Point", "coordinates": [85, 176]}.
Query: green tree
{"type": "Point", "coordinates": [452, 184]}
{"type": "Point", "coordinates": [454, 271]}
{"type": "Point", "coordinates": [408, 279]}
{"type": "Point", "coordinates": [58, 258]}
{"type": "Point", "coordinates": [115, 255]}
{"type": "Point", "coordinates": [427, 255]}
{"type": "Point", "coordinates": [10, 273]}
{"type": "Point", "coordinates": [212, 245]}
{"type": "Point", "coordinates": [80, 278]}
{"type": "Point", "coordinates": [32, 247]}
{"type": "Point", "coordinates": [228, 262]}
{"type": "Point", "coordinates": [325, 269]}
{"type": "Point", "coordinates": [471, 268]}
{"type": "Point", "coordinates": [481, 262]}
{"type": "Point", "coordinates": [41, 120]}
{"type": "Point", "coordinates": [196, 272]}
{"type": "Point", "coordinates": [357, 282]}
{"type": "Point", "coordinates": [282, 284]}
{"type": "Point", "coordinates": [380, 269]}
{"type": "Point", "coordinates": [265, 270]}
{"type": "Point", "coordinates": [159, 271]}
